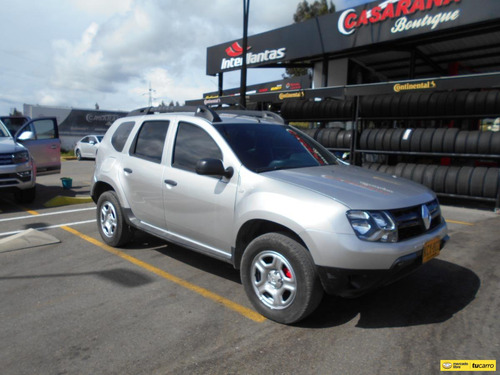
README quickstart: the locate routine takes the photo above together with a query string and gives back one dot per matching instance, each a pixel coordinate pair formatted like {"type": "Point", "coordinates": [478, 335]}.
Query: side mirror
{"type": "Point", "coordinates": [213, 167]}
{"type": "Point", "coordinates": [92, 143]}
{"type": "Point", "coordinates": [26, 136]}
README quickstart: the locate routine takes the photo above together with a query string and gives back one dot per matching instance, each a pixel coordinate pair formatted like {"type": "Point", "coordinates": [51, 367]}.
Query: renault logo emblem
{"type": "Point", "coordinates": [426, 217]}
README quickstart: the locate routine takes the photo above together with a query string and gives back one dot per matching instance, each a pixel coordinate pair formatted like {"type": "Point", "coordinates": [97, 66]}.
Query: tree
{"type": "Point", "coordinates": [304, 12]}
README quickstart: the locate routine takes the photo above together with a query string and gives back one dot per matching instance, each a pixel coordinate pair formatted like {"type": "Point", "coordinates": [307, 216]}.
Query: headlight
{"type": "Point", "coordinates": [20, 157]}
{"type": "Point", "coordinates": [373, 225]}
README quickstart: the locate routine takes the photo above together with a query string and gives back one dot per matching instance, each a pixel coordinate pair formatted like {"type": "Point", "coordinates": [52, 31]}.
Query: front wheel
{"type": "Point", "coordinates": [112, 226]}
{"type": "Point", "coordinates": [280, 278]}
{"type": "Point", "coordinates": [78, 154]}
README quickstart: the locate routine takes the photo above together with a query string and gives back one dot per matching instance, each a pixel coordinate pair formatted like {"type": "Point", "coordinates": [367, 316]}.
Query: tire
{"type": "Point", "coordinates": [461, 142]}
{"type": "Point", "coordinates": [363, 141]}
{"type": "Point", "coordinates": [379, 139]}
{"type": "Point", "coordinates": [110, 221]}
{"type": "Point", "coordinates": [490, 188]}
{"type": "Point", "coordinates": [406, 139]}
{"type": "Point", "coordinates": [437, 140]}
{"type": "Point", "coordinates": [429, 175]}
{"type": "Point", "coordinates": [416, 139]}
{"type": "Point", "coordinates": [280, 278]}
{"type": "Point", "coordinates": [78, 154]}
{"type": "Point", "coordinates": [477, 181]}
{"type": "Point", "coordinates": [451, 179]}
{"type": "Point", "coordinates": [426, 141]}
{"type": "Point", "coordinates": [483, 146]}
{"type": "Point", "coordinates": [440, 179]}
{"type": "Point", "coordinates": [25, 196]}
{"type": "Point", "coordinates": [472, 145]}
{"type": "Point", "coordinates": [449, 140]}
{"type": "Point", "coordinates": [397, 134]}
{"type": "Point", "coordinates": [418, 173]}
{"type": "Point", "coordinates": [386, 142]}
{"type": "Point", "coordinates": [464, 180]}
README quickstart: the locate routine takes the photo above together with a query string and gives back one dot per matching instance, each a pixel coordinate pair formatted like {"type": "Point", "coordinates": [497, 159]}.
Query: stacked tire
{"type": "Point", "coordinates": [431, 140]}
{"type": "Point", "coordinates": [317, 111]}
{"type": "Point", "coordinates": [435, 104]}
{"type": "Point", "coordinates": [481, 182]}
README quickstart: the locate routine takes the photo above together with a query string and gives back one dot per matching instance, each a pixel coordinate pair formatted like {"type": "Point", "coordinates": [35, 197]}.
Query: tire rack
{"type": "Point", "coordinates": [452, 101]}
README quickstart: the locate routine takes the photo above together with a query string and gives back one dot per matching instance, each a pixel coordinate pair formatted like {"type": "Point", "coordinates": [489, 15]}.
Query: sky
{"type": "Point", "coordinates": [76, 53]}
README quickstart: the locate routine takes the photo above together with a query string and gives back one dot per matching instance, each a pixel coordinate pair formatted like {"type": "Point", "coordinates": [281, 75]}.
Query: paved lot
{"type": "Point", "coordinates": [79, 307]}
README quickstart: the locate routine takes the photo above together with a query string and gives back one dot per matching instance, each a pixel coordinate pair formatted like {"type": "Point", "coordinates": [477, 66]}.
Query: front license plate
{"type": "Point", "coordinates": [431, 249]}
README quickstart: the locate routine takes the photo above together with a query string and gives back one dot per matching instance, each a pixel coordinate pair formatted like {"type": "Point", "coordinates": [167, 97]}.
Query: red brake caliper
{"type": "Point", "coordinates": [287, 272]}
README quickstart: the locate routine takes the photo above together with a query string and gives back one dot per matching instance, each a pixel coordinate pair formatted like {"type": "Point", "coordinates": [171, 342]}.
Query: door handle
{"type": "Point", "coordinates": [171, 182]}
{"type": "Point", "coordinates": [127, 170]}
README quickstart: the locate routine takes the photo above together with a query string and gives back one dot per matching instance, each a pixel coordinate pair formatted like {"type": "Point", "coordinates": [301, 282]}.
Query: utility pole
{"type": "Point", "coordinates": [243, 82]}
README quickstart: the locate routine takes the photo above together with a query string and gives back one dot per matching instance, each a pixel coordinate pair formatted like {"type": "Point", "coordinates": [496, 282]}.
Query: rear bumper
{"type": "Point", "coordinates": [353, 283]}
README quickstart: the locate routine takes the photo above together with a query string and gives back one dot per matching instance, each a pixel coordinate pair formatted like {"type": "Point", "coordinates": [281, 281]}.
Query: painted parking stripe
{"type": "Point", "coordinates": [459, 222]}
{"type": "Point", "coordinates": [34, 213]}
{"type": "Point", "coordinates": [49, 227]}
{"type": "Point", "coordinates": [242, 310]}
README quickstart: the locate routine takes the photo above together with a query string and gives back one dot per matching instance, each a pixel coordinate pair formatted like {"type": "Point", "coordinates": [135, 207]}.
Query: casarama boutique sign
{"type": "Point", "coordinates": [370, 24]}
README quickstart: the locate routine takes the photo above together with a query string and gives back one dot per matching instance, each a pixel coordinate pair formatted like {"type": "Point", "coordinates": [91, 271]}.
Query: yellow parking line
{"type": "Point", "coordinates": [246, 312]}
{"type": "Point", "coordinates": [459, 222]}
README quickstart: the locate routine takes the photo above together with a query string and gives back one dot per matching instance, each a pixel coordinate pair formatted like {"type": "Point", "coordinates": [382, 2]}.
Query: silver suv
{"type": "Point", "coordinates": [247, 189]}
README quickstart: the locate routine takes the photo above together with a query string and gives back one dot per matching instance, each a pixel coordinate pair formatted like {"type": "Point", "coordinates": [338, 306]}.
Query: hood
{"type": "Point", "coordinates": [8, 145]}
{"type": "Point", "coordinates": [357, 188]}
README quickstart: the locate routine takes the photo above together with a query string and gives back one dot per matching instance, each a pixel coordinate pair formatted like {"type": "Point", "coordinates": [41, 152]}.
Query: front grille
{"type": "Point", "coordinates": [5, 159]}
{"type": "Point", "coordinates": [410, 223]}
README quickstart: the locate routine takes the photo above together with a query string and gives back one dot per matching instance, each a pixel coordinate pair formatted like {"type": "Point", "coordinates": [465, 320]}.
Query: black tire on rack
{"type": "Point", "coordinates": [437, 140]}
{"type": "Point", "coordinates": [440, 179]}
{"type": "Point", "coordinates": [472, 144]}
{"type": "Point", "coordinates": [397, 134]}
{"type": "Point", "coordinates": [484, 142]}
{"type": "Point", "coordinates": [398, 170]}
{"type": "Point", "coordinates": [416, 139]}
{"type": "Point", "coordinates": [386, 142]}
{"type": "Point", "coordinates": [408, 171]}
{"type": "Point", "coordinates": [363, 140]}
{"type": "Point", "coordinates": [464, 180]}
{"type": "Point", "coordinates": [490, 188]}
{"type": "Point", "coordinates": [451, 180]}
{"type": "Point", "coordinates": [383, 168]}
{"type": "Point", "coordinates": [339, 139]}
{"type": "Point", "coordinates": [319, 134]}
{"type": "Point", "coordinates": [347, 139]}
{"type": "Point", "coordinates": [460, 99]}
{"type": "Point", "coordinates": [374, 166]}
{"type": "Point", "coordinates": [429, 175]}
{"type": "Point", "coordinates": [423, 105]}
{"type": "Point", "coordinates": [333, 139]}
{"type": "Point", "coordinates": [379, 140]}
{"type": "Point", "coordinates": [406, 139]}
{"type": "Point", "coordinates": [426, 141]}
{"type": "Point", "coordinates": [477, 181]}
{"type": "Point", "coordinates": [433, 105]}
{"type": "Point", "coordinates": [492, 102]}
{"type": "Point", "coordinates": [323, 136]}
{"type": "Point", "coordinates": [391, 169]}
{"type": "Point", "coordinates": [481, 103]}
{"type": "Point", "coordinates": [441, 103]}
{"type": "Point", "coordinates": [371, 139]}
{"type": "Point", "coordinates": [449, 140]}
{"type": "Point", "coordinates": [385, 109]}
{"type": "Point", "coordinates": [461, 142]}
{"type": "Point", "coordinates": [377, 106]}
{"type": "Point", "coordinates": [450, 104]}
{"type": "Point", "coordinates": [404, 105]}
{"type": "Point", "coordinates": [495, 144]}
{"type": "Point", "coordinates": [418, 173]}
{"type": "Point", "coordinates": [470, 103]}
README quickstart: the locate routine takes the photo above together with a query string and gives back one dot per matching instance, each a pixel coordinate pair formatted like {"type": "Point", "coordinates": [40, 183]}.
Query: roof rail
{"type": "Point", "coordinates": [162, 109]}
{"type": "Point", "coordinates": [209, 113]}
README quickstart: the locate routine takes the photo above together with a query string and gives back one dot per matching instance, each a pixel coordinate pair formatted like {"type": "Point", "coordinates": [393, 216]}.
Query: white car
{"type": "Point", "coordinates": [87, 146]}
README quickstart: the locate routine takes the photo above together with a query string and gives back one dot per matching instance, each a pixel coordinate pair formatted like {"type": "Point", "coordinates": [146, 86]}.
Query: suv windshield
{"type": "Point", "coordinates": [3, 130]}
{"type": "Point", "coordinates": [266, 147]}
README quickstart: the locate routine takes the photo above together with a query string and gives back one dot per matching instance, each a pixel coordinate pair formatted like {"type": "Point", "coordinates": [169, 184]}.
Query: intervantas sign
{"type": "Point", "coordinates": [350, 19]}
{"type": "Point", "coordinates": [235, 50]}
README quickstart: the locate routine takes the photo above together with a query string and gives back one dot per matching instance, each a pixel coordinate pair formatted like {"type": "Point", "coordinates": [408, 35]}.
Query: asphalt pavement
{"type": "Point", "coordinates": [76, 306]}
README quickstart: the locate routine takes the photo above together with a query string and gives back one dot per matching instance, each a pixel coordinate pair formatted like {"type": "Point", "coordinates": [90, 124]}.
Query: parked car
{"type": "Point", "coordinates": [87, 146]}
{"type": "Point", "coordinates": [247, 189]}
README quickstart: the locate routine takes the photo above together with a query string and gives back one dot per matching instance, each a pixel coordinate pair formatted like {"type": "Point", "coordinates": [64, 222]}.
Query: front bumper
{"type": "Point", "coordinates": [353, 283]}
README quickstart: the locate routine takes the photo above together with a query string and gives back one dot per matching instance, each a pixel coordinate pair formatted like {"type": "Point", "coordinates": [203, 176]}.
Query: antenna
{"type": "Point", "coordinates": [150, 95]}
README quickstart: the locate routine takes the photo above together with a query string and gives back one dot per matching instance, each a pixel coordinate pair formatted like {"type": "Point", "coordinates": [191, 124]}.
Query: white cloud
{"type": "Point", "coordinates": [83, 51]}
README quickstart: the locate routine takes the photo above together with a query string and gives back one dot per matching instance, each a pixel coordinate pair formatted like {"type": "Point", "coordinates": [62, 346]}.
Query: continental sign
{"type": "Point", "coordinates": [292, 95]}
{"type": "Point", "coordinates": [414, 86]}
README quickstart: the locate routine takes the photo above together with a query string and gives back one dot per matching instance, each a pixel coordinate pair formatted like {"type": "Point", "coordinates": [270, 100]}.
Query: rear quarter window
{"type": "Point", "coordinates": [121, 134]}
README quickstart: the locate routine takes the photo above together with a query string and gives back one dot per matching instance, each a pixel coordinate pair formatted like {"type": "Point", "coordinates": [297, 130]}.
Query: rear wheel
{"type": "Point", "coordinates": [112, 226]}
{"type": "Point", "coordinates": [280, 278]}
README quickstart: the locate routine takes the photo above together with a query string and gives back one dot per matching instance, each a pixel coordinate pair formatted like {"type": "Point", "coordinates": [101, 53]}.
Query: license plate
{"type": "Point", "coordinates": [431, 249]}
